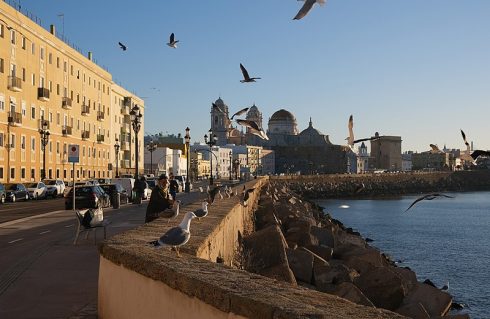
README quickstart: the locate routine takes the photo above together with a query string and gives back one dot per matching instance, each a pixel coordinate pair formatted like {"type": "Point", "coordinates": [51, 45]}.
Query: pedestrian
{"type": "Point", "coordinates": [174, 186]}
{"type": "Point", "coordinates": [139, 186]}
{"type": "Point", "coordinates": [159, 200]}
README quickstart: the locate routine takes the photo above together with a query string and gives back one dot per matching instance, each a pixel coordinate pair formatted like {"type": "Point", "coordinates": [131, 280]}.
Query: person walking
{"type": "Point", "coordinates": [159, 200]}
{"type": "Point", "coordinates": [174, 186]}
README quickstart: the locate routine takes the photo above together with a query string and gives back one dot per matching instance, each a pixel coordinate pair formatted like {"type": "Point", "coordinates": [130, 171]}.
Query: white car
{"type": "Point", "coordinates": [55, 187]}
{"type": "Point", "coordinates": [36, 190]}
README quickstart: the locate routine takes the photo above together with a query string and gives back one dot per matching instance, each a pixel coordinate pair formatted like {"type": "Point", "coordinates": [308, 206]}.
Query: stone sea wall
{"type": "Point", "coordinates": [385, 184]}
{"type": "Point", "coordinates": [305, 247]}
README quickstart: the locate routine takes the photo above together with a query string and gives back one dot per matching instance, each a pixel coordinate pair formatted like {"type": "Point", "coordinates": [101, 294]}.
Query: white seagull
{"type": "Point", "coordinates": [171, 212]}
{"type": "Point", "coordinates": [307, 7]}
{"type": "Point", "coordinates": [172, 42]}
{"type": "Point", "coordinates": [203, 211]}
{"type": "Point", "coordinates": [176, 236]}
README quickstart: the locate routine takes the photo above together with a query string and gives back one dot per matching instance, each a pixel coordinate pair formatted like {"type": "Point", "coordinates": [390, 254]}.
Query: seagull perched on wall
{"type": "Point", "coordinates": [246, 77]}
{"type": "Point", "coordinates": [176, 236]}
{"type": "Point", "coordinates": [203, 211]}
{"type": "Point", "coordinates": [246, 196]}
{"type": "Point", "coordinates": [122, 46]}
{"type": "Point", "coordinates": [307, 7]}
{"type": "Point", "coordinates": [430, 196]}
{"type": "Point", "coordinates": [172, 42]}
{"type": "Point", "coordinates": [171, 212]}
{"type": "Point", "coordinates": [212, 194]}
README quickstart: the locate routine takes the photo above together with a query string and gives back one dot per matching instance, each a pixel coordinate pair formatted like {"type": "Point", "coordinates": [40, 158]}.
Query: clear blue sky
{"type": "Point", "coordinates": [417, 69]}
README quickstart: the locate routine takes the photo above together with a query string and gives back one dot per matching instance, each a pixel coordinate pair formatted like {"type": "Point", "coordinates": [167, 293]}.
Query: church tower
{"type": "Point", "coordinates": [220, 122]}
{"type": "Point", "coordinates": [255, 115]}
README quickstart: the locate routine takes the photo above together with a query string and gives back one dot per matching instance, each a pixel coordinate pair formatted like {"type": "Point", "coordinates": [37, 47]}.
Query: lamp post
{"type": "Point", "coordinates": [231, 153]}
{"type": "Point", "coordinates": [236, 163]}
{"type": "Point", "coordinates": [116, 148]}
{"type": "Point", "coordinates": [151, 148]}
{"type": "Point", "coordinates": [44, 132]}
{"type": "Point", "coordinates": [187, 139]}
{"type": "Point", "coordinates": [136, 123]}
{"type": "Point", "coordinates": [212, 141]}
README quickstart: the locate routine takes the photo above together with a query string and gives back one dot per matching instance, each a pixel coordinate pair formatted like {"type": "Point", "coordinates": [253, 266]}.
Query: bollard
{"type": "Point", "coordinates": [116, 200]}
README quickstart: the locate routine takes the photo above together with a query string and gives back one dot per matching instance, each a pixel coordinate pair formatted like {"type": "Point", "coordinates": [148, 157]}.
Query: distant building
{"type": "Point", "coordinates": [406, 161]}
{"type": "Point", "coordinates": [362, 159]}
{"type": "Point", "coordinates": [386, 152]}
{"type": "Point", "coordinates": [432, 161]}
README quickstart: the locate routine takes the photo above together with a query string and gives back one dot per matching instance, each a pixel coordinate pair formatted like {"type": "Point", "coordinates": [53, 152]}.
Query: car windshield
{"type": "Point", "coordinates": [31, 185]}
{"type": "Point", "coordinates": [50, 182]}
{"type": "Point", "coordinates": [81, 191]}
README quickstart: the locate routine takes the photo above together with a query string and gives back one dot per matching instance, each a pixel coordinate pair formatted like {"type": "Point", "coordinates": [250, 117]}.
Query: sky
{"type": "Point", "coordinates": [412, 68]}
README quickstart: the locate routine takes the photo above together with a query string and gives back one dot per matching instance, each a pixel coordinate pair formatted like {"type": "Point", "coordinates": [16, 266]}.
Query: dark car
{"type": "Point", "coordinates": [111, 189]}
{"type": "Point", "coordinates": [87, 196]}
{"type": "Point", "coordinates": [3, 195]}
{"type": "Point", "coordinates": [15, 192]}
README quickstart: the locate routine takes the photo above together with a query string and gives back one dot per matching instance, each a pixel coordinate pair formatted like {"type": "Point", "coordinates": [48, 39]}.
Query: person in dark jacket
{"type": "Point", "coordinates": [173, 186]}
{"type": "Point", "coordinates": [159, 201]}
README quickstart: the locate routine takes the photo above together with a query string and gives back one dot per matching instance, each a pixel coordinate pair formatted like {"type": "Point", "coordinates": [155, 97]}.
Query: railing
{"type": "Point", "coordinates": [100, 138]}
{"type": "Point", "coordinates": [15, 118]}
{"type": "Point", "coordinates": [85, 110]}
{"type": "Point", "coordinates": [43, 94]}
{"type": "Point", "coordinates": [66, 130]}
{"type": "Point", "coordinates": [85, 135]}
{"type": "Point", "coordinates": [100, 116]}
{"type": "Point", "coordinates": [14, 83]}
{"type": "Point", "coordinates": [66, 103]}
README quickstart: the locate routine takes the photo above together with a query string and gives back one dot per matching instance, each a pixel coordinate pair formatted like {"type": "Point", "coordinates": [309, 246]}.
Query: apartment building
{"type": "Point", "coordinates": [46, 84]}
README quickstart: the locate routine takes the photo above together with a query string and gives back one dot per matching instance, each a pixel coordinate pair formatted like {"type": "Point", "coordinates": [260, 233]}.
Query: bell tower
{"type": "Point", "coordinates": [220, 122]}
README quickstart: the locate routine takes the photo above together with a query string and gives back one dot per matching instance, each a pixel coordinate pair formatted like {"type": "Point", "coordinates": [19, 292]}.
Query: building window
{"type": "Point", "coordinates": [50, 58]}
{"type": "Point", "coordinates": [65, 66]}
{"type": "Point", "coordinates": [1, 65]}
{"type": "Point", "coordinates": [1, 139]}
{"type": "Point", "coordinates": [1, 31]}
{"type": "Point", "coordinates": [23, 173]}
{"type": "Point", "coordinates": [58, 89]}
{"type": "Point", "coordinates": [33, 173]}
{"type": "Point", "coordinates": [12, 36]}
{"type": "Point", "coordinates": [57, 173]}
{"type": "Point", "coordinates": [33, 48]}
{"type": "Point", "coordinates": [41, 52]}
{"type": "Point", "coordinates": [23, 74]}
{"type": "Point", "coordinates": [2, 103]}
{"type": "Point", "coordinates": [1, 172]}
{"type": "Point", "coordinates": [33, 79]}
{"type": "Point", "coordinates": [12, 173]}
{"type": "Point", "coordinates": [33, 112]}
{"type": "Point", "coordinates": [23, 142]}
{"type": "Point", "coordinates": [58, 62]}
{"type": "Point", "coordinates": [33, 144]}
{"type": "Point", "coordinates": [12, 140]}
{"type": "Point", "coordinates": [58, 118]}
{"type": "Point", "coordinates": [24, 43]}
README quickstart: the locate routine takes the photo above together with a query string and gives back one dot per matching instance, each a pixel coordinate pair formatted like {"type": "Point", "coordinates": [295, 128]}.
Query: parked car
{"type": "Point", "coordinates": [87, 196]}
{"type": "Point", "coordinates": [111, 189]}
{"type": "Point", "coordinates": [55, 187]}
{"type": "Point", "coordinates": [181, 179]}
{"type": "Point", "coordinates": [126, 183]}
{"type": "Point", "coordinates": [37, 190]}
{"type": "Point", "coordinates": [15, 192]}
{"type": "Point", "coordinates": [104, 181]}
{"type": "Point", "coordinates": [3, 195]}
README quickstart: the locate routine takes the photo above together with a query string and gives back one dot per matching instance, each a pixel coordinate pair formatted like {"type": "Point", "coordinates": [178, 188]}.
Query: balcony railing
{"type": "Point", "coordinates": [85, 110]}
{"type": "Point", "coordinates": [66, 103]}
{"type": "Point", "coordinates": [100, 138]}
{"type": "Point", "coordinates": [15, 118]}
{"type": "Point", "coordinates": [85, 135]}
{"type": "Point", "coordinates": [66, 130]}
{"type": "Point", "coordinates": [43, 94]}
{"type": "Point", "coordinates": [100, 116]}
{"type": "Point", "coordinates": [14, 83]}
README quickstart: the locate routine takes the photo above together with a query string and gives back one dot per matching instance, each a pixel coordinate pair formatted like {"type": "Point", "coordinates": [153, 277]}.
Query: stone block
{"type": "Point", "coordinates": [350, 292]}
{"type": "Point", "coordinates": [324, 252]}
{"type": "Point", "coordinates": [435, 301]}
{"type": "Point", "coordinates": [301, 263]}
{"type": "Point", "coordinates": [413, 310]}
{"type": "Point", "coordinates": [324, 235]}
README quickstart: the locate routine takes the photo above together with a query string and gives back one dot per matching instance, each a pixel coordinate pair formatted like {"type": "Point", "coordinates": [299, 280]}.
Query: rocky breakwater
{"type": "Point", "coordinates": [387, 184]}
{"type": "Point", "coordinates": [296, 242]}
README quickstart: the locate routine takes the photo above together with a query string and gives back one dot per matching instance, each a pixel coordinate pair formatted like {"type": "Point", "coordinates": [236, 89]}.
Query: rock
{"type": "Point", "coordinates": [365, 260]}
{"type": "Point", "coordinates": [326, 275]}
{"type": "Point", "coordinates": [301, 263]}
{"type": "Point", "coordinates": [413, 310]}
{"type": "Point", "coordinates": [264, 215]}
{"type": "Point", "coordinates": [435, 301]}
{"type": "Point", "coordinates": [298, 232]}
{"type": "Point", "coordinates": [460, 316]}
{"type": "Point", "coordinates": [268, 260]}
{"type": "Point", "coordinates": [409, 278]}
{"type": "Point", "coordinates": [350, 292]}
{"type": "Point", "coordinates": [325, 236]}
{"type": "Point", "coordinates": [324, 252]}
{"type": "Point", "coordinates": [382, 286]}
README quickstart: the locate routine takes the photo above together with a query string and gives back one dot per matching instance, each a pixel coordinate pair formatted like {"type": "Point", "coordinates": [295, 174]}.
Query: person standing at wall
{"type": "Point", "coordinates": [174, 186]}
{"type": "Point", "coordinates": [160, 199]}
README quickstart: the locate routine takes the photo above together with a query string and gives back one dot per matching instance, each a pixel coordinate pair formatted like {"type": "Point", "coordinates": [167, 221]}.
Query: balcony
{"type": "Point", "coordinates": [85, 135]}
{"type": "Point", "coordinates": [15, 119]}
{"type": "Point", "coordinates": [100, 116]}
{"type": "Point", "coordinates": [125, 128]}
{"type": "Point", "coordinates": [43, 124]}
{"type": "Point", "coordinates": [125, 146]}
{"type": "Point", "coordinates": [127, 101]}
{"type": "Point", "coordinates": [85, 110]}
{"type": "Point", "coordinates": [66, 131]}
{"type": "Point", "coordinates": [14, 83]}
{"type": "Point", "coordinates": [124, 110]}
{"type": "Point", "coordinates": [100, 138]}
{"type": "Point", "coordinates": [43, 94]}
{"type": "Point", "coordinates": [66, 103]}
{"type": "Point", "coordinates": [125, 164]}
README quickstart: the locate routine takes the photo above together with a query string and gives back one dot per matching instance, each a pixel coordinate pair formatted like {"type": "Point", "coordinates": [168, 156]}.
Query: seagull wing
{"type": "Point", "coordinates": [435, 149]}
{"type": "Point", "coordinates": [304, 9]}
{"type": "Point", "coordinates": [122, 46]}
{"type": "Point", "coordinates": [418, 200]}
{"type": "Point", "coordinates": [248, 123]}
{"type": "Point", "coordinates": [350, 126]}
{"type": "Point", "coordinates": [174, 237]}
{"type": "Point", "coordinates": [246, 77]}
{"type": "Point", "coordinates": [365, 139]}
{"type": "Point", "coordinates": [172, 37]}
{"type": "Point", "coordinates": [478, 153]}
{"type": "Point", "coordinates": [242, 111]}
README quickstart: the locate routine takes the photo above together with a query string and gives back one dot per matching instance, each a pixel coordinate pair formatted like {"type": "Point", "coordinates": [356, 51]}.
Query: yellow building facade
{"type": "Point", "coordinates": [46, 84]}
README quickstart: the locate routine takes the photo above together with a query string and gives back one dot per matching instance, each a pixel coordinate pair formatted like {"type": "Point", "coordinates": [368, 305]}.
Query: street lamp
{"type": "Point", "coordinates": [151, 148]}
{"type": "Point", "coordinates": [116, 148]}
{"type": "Point", "coordinates": [231, 153]}
{"type": "Point", "coordinates": [187, 139]}
{"type": "Point", "coordinates": [44, 132]}
{"type": "Point", "coordinates": [212, 141]}
{"type": "Point", "coordinates": [136, 124]}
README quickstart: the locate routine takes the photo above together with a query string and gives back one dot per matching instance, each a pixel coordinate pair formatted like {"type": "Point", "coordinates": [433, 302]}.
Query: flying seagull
{"type": "Point", "coordinates": [203, 211]}
{"type": "Point", "coordinates": [248, 123]}
{"type": "Point", "coordinates": [350, 140]}
{"type": "Point", "coordinates": [307, 7]}
{"type": "Point", "coordinates": [435, 149]}
{"type": "Point", "coordinates": [430, 196]}
{"type": "Point", "coordinates": [246, 77]}
{"type": "Point", "coordinates": [171, 212]}
{"type": "Point", "coordinates": [477, 153]}
{"type": "Point", "coordinates": [466, 155]}
{"type": "Point", "coordinates": [122, 46]}
{"type": "Point", "coordinates": [176, 236]}
{"type": "Point", "coordinates": [242, 111]}
{"type": "Point", "coordinates": [465, 141]}
{"type": "Point", "coordinates": [172, 42]}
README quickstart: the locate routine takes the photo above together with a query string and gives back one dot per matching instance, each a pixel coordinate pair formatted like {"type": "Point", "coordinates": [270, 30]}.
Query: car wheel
{"type": "Point", "coordinates": [13, 198]}
{"type": "Point", "coordinates": [3, 199]}
{"type": "Point", "coordinates": [27, 196]}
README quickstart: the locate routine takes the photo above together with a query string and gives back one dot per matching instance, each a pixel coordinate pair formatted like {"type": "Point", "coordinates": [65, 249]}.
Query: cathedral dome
{"type": "Point", "coordinates": [310, 130]}
{"type": "Point", "coordinates": [283, 115]}
{"type": "Point", "coordinates": [283, 122]}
